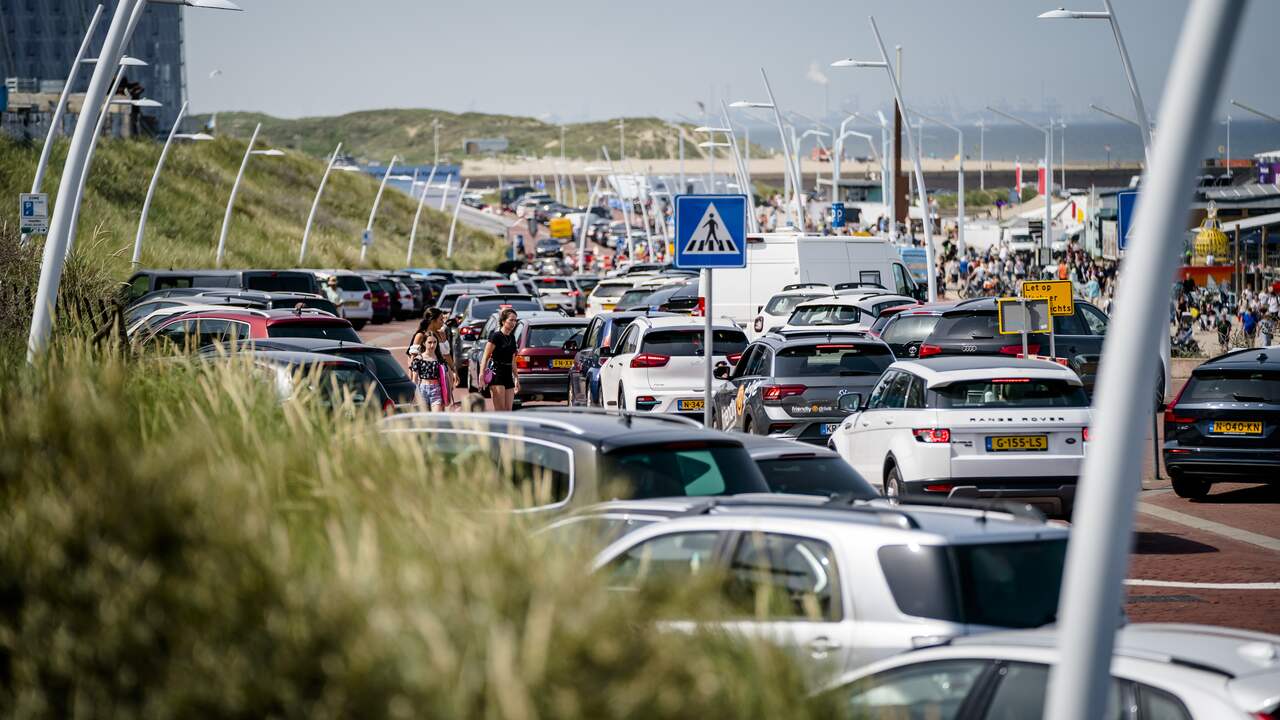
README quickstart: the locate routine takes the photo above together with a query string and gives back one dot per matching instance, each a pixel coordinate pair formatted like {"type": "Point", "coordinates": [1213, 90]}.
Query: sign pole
{"type": "Point", "coordinates": [1026, 320]}
{"type": "Point", "coordinates": [708, 351]}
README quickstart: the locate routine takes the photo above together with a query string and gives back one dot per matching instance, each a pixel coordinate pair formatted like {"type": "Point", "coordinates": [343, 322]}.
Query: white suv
{"type": "Point", "coordinates": [773, 314]}
{"type": "Point", "coordinates": [977, 427]}
{"type": "Point", "coordinates": [837, 314]}
{"type": "Point", "coordinates": [658, 364]}
{"type": "Point", "coordinates": [357, 300]}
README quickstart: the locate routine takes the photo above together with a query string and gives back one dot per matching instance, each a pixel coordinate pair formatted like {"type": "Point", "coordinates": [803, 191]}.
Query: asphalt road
{"type": "Point", "coordinates": [1216, 561]}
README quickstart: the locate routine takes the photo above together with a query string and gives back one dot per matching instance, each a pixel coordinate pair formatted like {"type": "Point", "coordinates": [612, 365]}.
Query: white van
{"type": "Point", "coordinates": [775, 260]}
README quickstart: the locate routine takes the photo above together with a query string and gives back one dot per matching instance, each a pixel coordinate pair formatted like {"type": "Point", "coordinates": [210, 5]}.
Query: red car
{"type": "Point", "coordinates": [541, 360]}
{"type": "Point", "coordinates": [201, 329]}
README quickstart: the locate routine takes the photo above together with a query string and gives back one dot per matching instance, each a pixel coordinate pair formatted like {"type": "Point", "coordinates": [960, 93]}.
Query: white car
{"type": "Point", "coordinates": [836, 314]}
{"type": "Point", "coordinates": [557, 293]}
{"type": "Point", "coordinates": [357, 300]}
{"type": "Point", "coordinates": [145, 317]}
{"type": "Point", "coordinates": [873, 302]}
{"type": "Point", "coordinates": [658, 364]}
{"type": "Point", "coordinates": [972, 427]}
{"type": "Point", "coordinates": [604, 296]}
{"type": "Point", "coordinates": [1164, 671]}
{"type": "Point", "coordinates": [773, 314]}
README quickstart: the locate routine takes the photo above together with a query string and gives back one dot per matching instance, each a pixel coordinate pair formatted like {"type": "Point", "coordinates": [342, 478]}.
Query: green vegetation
{"type": "Point", "coordinates": [973, 198]}
{"type": "Point", "coordinates": [376, 135]}
{"type": "Point", "coordinates": [271, 210]}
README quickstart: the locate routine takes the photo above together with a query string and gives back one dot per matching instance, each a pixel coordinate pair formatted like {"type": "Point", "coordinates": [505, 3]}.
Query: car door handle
{"type": "Point", "coordinates": [820, 647]}
{"type": "Point", "coordinates": [888, 422]}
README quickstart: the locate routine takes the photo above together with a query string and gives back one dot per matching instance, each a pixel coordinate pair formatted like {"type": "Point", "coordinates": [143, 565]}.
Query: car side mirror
{"type": "Point", "coordinates": [570, 345]}
{"type": "Point", "coordinates": [850, 403]}
{"type": "Point", "coordinates": [759, 309]}
{"type": "Point", "coordinates": [721, 371]}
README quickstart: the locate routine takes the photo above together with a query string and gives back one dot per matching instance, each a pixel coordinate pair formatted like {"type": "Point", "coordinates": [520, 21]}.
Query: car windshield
{"type": "Point", "coordinates": [352, 283]}
{"type": "Point", "coordinates": [1011, 392]}
{"type": "Point", "coordinates": [678, 469]}
{"type": "Point", "coordinates": [550, 336]}
{"type": "Point", "coordinates": [784, 304]}
{"type": "Point", "coordinates": [485, 308]}
{"type": "Point", "coordinates": [813, 475]}
{"type": "Point", "coordinates": [1232, 386]}
{"type": "Point", "coordinates": [825, 314]}
{"type": "Point", "coordinates": [910, 328]}
{"type": "Point", "coordinates": [281, 282]}
{"type": "Point", "coordinates": [688, 343]}
{"type": "Point", "coordinates": [832, 360]}
{"type": "Point", "coordinates": [1010, 585]}
{"type": "Point", "coordinates": [608, 290]}
{"type": "Point", "coordinates": [325, 331]}
{"type": "Point", "coordinates": [968, 326]}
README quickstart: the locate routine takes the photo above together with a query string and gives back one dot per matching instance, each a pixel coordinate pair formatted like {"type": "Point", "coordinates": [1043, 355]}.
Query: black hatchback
{"type": "Point", "coordinates": [1224, 425]}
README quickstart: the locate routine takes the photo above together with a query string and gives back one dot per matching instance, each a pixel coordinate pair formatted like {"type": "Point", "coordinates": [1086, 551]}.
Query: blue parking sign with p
{"type": "Point", "coordinates": [711, 231]}
{"type": "Point", "coordinates": [837, 214]}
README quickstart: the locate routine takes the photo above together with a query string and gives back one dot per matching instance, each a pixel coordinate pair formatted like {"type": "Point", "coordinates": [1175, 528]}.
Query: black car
{"type": "Point", "coordinates": [601, 332]}
{"type": "Point", "coordinates": [571, 459]}
{"type": "Point", "coordinates": [798, 384]}
{"type": "Point", "coordinates": [146, 281]}
{"type": "Point", "coordinates": [268, 300]}
{"type": "Point", "coordinates": [379, 361]}
{"type": "Point", "coordinates": [1224, 425]}
{"type": "Point", "coordinates": [548, 247]}
{"type": "Point", "coordinates": [802, 469]}
{"type": "Point", "coordinates": [471, 318]}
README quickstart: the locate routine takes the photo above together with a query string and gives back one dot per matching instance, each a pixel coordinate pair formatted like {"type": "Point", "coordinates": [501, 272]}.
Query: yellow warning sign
{"type": "Point", "coordinates": [1057, 292]}
{"type": "Point", "coordinates": [561, 228]}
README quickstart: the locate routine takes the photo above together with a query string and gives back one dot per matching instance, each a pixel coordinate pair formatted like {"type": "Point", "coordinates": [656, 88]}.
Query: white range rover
{"type": "Point", "coordinates": [972, 427]}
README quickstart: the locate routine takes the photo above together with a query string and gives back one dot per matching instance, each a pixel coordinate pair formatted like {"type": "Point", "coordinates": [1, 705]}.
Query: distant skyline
{"type": "Point", "coordinates": [573, 61]}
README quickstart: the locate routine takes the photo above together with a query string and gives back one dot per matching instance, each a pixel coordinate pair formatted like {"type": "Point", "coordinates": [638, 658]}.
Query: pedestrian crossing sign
{"type": "Point", "coordinates": [711, 231]}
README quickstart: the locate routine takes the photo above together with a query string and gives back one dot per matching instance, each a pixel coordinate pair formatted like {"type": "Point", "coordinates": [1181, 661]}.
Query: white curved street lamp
{"type": "Point", "coordinates": [959, 181]}
{"type": "Point", "coordinates": [1255, 111]}
{"type": "Point", "coordinates": [373, 212]}
{"type": "Point", "coordinates": [315, 204]}
{"type": "Point", "coordinates": [155, 177]}
{"type": "Point", "coordinates": [235, 189]}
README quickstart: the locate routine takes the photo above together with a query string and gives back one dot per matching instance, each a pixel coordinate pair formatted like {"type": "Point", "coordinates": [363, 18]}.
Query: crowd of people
{"type": "Point", "coordinates": [1249, 320]}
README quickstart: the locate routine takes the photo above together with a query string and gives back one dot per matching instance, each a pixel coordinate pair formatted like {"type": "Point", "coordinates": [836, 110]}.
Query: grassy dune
{"type": "Point", "coordinates": [271, 210]}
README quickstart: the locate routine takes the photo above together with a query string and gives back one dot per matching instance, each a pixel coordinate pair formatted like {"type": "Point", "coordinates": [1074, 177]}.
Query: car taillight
{"type": "Point", "coordinates": [650, 360]}
{"type": "Point", "coordinates": [733, 358]}
{"type": "Point", "coordinates": [469, 331]}
{"type": "Point", "coordinates": [522, 362]}
{"type": "Point", "coordinates": [388, 406]}
{"type": "Point", "coordinates": [929, 350]}
{"type": "Point", "coordinates": [1173, 418]}
{"type": "Point", "coordinates": [701, 310]}
{"type": "Point", "coordinates": [1084, 434]}
{"type": "Point", "coordinates": [368, 296]}
{"type": "Point", "coordinates": [932, 435]}
{"type": "Point", "coordinates": [574, 293]}
{"type": "Point", "coordinates": [759, 324]}
{"type": "Point", "coordinates": [1032, 349]}
{"type": "Point", "coordinates": [774, 393]}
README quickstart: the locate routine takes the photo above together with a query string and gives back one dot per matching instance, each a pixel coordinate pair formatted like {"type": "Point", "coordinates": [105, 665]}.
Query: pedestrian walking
{"type": "Point", "coordinates": [1267, 328]}
{"type": "Point", "coordinates": [497, 371]}
{"type": "Point", "coordinates": [1224, 332]}
{"type": "Point", "coordinates": [430, 374]}
{"type": "Point", "coordinates": [334, 294]}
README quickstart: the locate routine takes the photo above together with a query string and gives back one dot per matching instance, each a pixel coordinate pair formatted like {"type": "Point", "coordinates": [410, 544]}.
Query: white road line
{"type": "Point", "coordinates": [1226, 531]}
{"type": "Point", "coordinates": [1204, 586]}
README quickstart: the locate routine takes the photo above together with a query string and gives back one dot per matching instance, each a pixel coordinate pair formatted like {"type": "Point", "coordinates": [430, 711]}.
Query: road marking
{"type": "Point", "coordinates": [1210, 526]}
{"type": "Point", "coordinates": [1203, 585]}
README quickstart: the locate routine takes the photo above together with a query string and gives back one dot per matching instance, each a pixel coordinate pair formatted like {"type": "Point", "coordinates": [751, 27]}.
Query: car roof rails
{"type": "Point", "coordinates": [804, 285]}
{"type": "Point", "coordinates": [1022, 511]}
{"type": "Point", "coordinates": [971, 301]}
{"type": "Point", "coordinates": [791, 333]}
{"type": "Point", "coordinates": [885, 515]}
{"type": "Point", "coordinates": [858, 285]}
{"type": "Point", "coordinates": [625, 414]}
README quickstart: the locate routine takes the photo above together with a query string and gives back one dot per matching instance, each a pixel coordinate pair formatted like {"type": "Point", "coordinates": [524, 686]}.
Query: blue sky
{"type": "Point", "coordinates": [574, 60]}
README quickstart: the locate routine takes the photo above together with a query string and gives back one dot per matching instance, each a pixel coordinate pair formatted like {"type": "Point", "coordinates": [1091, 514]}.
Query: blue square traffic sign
{"type": "Point", "coordinates": [711, 231]}
{"type": "Point", "coordinates": [1126, 208]}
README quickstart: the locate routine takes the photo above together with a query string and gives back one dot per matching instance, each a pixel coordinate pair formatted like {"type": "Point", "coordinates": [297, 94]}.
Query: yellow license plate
{"type": "Point", "coordinates": [609, 306]}
{"type": "Point", "coordinates": [692, 405]}
{"type": "Point", "coordinates": [551, 306]}
{"type": "Point", "coordinates": [1236, 427]}
{"type": "Point", "coordinates": [1018, 443]}
{"type": "Point", "coordinates": [561, 363]}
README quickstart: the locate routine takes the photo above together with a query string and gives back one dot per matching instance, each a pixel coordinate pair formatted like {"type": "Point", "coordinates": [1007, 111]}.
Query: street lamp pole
{"type": "Point", "coordinates": [787, 150]}
{"type": "Point", "coordinates": [1255, 111]}
{"type": "Point", "coordinates": [151, 189]}
{"type": "Point", "coordinates": [315, 204]}
{"type": "Point", "coordinates": [959, 180]}
{"type": "Point", "coordinates": [422, 199]}
{"type": "Point", "coordinates": [373, 212]}
{"type": "Point", "coordinates": [235, 189]}
{"type": "Point", "coordinates": [56, 121]}
{"type": "Point", "coordinates": [453, 225]}
{"type": "Point", "coordinates": [982, 154]}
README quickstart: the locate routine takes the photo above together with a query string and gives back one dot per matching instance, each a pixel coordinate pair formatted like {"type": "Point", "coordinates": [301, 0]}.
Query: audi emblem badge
{"type": "Point", "coordinates": [969, 348]}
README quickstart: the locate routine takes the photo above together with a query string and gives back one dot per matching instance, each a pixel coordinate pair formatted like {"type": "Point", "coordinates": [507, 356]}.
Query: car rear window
{"type": "Point", "coordinates": [281, 282]}
{"type": "Point", "coordinates": [315, 303]}
{"type": "Point", "coordinates": [1012, 392]}
{"type": "Point", "coordinates": [910, 328]}
{"type": "Point", "coordinates": [352, 283]}
{"type": "Point", "coordinates": [679, 469]}
{"type": "Point", "coordinates": [967, 326]}
{"type": "Point", "coordinates": [485, 308]}
{"type": "Point", "coordinates": [551, 336]}
{"type": "Point", "coordinates": [587, 284]}
{"type": "Point", "coordinates": [332, 383]}
{"type": "Point", "coordinates": [688, 343]}
{"type": "Point", "coordinates": [610, 290]}
{"type": "Point", "coordinates": [379, 363]}
{"type": "Point", "coordinates": [326, 331]}
{"type": "Point", "coordinates": [832, 360]}
{"type": "Point", "coordinates": [1010, 585]}
{"type": "Point", "coordinates": [1260, 386]}
{"type": "Point", "coordinates": [825, 314]}
{"type": "Point", "coordinates": [546, 283]}
{"type": "Point", "coordinates": [784, 304]}
{"type": "Point", "coordinates": [813, 475]}
{"type": "Point", "coordinates": [633, 296]}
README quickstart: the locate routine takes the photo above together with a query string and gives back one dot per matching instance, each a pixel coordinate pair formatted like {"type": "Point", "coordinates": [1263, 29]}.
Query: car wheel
{"type": "Point", "coordinates": [1191, 488]}
{"type": "Point", "coordinates": [893, 483]}
{"type": "Point", "coordinates": [746, 425]}
{"type": "Point", "coordinates": [622, 400]}
{"type": "Point", "coordinates": [358, 324]}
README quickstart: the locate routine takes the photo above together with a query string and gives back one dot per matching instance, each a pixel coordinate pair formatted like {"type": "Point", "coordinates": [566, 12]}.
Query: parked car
{"type": "Point", "coordinates": [557, 293]}
{"type": "Point", "coordinates": [385, 298]}
{"type": "Point", "coordinates": [357, 300]}
{"type": "Point", "coordinates": [1158, 672]}
{"type": "Point", "coordinates": [471, 319]}
{"type": "Point", "coordinates": [843, 584]}
{"type": "Point", "coordinates": [592, 352]}
{"type": "Point", "coordinates": [143, 319]}
{"type": "Point", "coordinates": [548, 247]}
{"type": "Point", "coordinates": [1224, 425]}
{"type": "Point", "coordinates": [657, 364]}
{"type": "Point", "coordinates": [379, 361]}
{"type": "Point", "coordinates": [972, 427]}
{"type": "Point", "coordinates": [830, 313]}
{"type": "Point", "coordinates": [450, 294]}
{"type": "Point", "coordinates": [574, 459]}
{"type": "Point", "coordinates": [197, 330]}
{"type": "Point", "coordinates": [804, 469]}
{"type": "Point", "coordinates": [145, 281]}
{"type": "Point", "coordinates": [475, 351]}
{"type": "Point", "coordinates": [542, 360]}
{"type": "Point", "coordinates": [798, 385]}
{"type": "Point", "coordinates": [271, 300]}
{"type": "Point", "coordinates": [410, 282]}
{"type": "Point", "coordinates": [604, 297]}
{"type": "Point", "coordinates": [333, 379]}
{"type": "Point", "coordinates": [773, 314]}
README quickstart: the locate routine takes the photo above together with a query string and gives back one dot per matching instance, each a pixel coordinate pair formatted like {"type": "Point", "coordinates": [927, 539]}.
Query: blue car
{"type": "Point", "coordinates": [584, 376]}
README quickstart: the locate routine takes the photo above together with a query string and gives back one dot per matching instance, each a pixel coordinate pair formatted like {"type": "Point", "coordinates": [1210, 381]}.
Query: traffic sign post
{"type": "Point", "coordinates": [1058, 293]}
{"type": "Point", "coordinates": [711, 232]}
{"type": "Point", "coordinates": [366, 239]}
{"type": "Point", "coordinates": [1126, 208]}
{"type": "Point", "coordinates": [33, 213]}
{"type": "Point", "coordinates": [1023, 316]}
{"type": "Point", "coordinates": [837, 214]}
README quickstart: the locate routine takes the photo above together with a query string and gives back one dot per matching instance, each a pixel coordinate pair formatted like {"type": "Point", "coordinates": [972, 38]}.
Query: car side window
{"type": "Point", "coordinates": [902, 286]}
{"type": "Point", "coordinates": [172, 337]}
{"type": "Point", "coordinates": [744, 362]}
{"type": "Point", "coordinates": [783, 577]}
{"type": "Point", "coordinates": [1021, 694]}
{"type": "Point", "coordinates": [629, 341]}
{"type": "Point", "coordinates": [935, 690]}
{"type": "Point", "coordinates": [666, 558]}
{"type": "Point", "coordinates": [1069, 324]}
{"type": "Point", "coordinates": [1094, 318]}
{"type": "Point", "coordinates": [881, 389]}
{"type": "Point", "coordinates": [915, 393]}
{"type": "Point", "coordinates": [593, 334]}
{"type": "Point", "coordinates": [761, 362]}
{"type": "Point", "coordinates": [1160, 705]}
{"type": "Point", "coordinates": [896, 395]}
